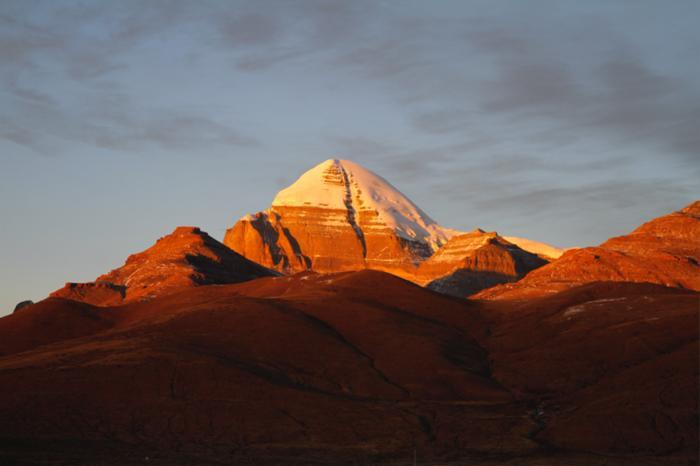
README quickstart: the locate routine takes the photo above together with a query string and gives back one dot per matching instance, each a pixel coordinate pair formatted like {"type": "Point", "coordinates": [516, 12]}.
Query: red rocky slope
{"type": "Point", "coordinates": [664, 251]}
{"type": "Point", "coordinates": [473, 261]}
{"type": "Point", "coordinates": [357, 367]}
{"type": "Point", "coordinates": [185, 258]}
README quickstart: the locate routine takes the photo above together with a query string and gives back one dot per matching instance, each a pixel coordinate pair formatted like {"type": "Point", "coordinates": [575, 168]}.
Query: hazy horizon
{"type": "Point", "coordinates": [559, 121]}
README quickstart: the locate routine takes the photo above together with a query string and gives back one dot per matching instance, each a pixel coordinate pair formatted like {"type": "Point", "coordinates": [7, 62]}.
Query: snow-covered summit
{"type": "Point", "coordinates": [347, 186]}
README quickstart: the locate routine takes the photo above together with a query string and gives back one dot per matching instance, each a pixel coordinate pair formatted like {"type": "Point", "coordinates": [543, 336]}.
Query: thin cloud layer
{"type": "Point", "coordinates": [506, 105]}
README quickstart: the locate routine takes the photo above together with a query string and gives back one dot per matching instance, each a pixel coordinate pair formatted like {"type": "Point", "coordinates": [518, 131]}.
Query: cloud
{"type": "Point", "coordinates": [444, 121]}
{"type": "Point", "coordinates": [262, 38]}
{"type": "Point", "coordinates": [360, 147]}
{"type": "Point", "coordinates": [614, 97]}
{"type": "Point", "coordinates": [533, 83]}
{"type": "Point", "coordinates": [172, 132]}
{"type": "Point", "coordinates": [63, 79]}
{"type": "Point", "coordinates": [541, 88]}
{"type": "Point", "coordinates": [41, 125]}
{"type": "Point", "coordinates": [20, 136]}
{"type": "Point", "coordinates": [607, 195]}
{"type": "Point", "coordinates": [476, 81]}
{"type": "Point", "coordinates": [250, 29]}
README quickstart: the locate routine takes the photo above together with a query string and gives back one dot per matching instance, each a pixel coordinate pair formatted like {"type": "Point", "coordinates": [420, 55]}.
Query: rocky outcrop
{"type": "Point", "coordinates": [664, 251]}
{"type": "Point", "coordinates": [474, 261]}
{"type": "Point", "coordinates": [100, 293]}
{"type": "Point", "coordinates": [338, 216]}
{"type": "Point", "coordinates": [21, 305]}
{"type": "Point", "coordinates": [185, 258]}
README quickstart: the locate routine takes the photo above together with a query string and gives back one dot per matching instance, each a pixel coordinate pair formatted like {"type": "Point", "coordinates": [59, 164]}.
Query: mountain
{"type": "Point", "coordinates": [664, 251]}
{"type": "Point", "coordinates": [353, 368]}
{"type": "Point", "coordinates": [185, 258]}
{"type": "Point", "coordinates": [338, 216]}
{"type": "Point", "coordinates": [473, 261]}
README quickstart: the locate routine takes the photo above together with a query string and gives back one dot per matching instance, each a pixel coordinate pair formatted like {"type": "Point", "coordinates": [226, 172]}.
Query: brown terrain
{"type": "Point", "coordinates": [664, 251]}
{"type": "Point", "coordinates": [168, 361]}
{"type": "Point", "coordinates": [353, 368]}
{"type": "Point", "coordinates": [185, 258]}
{"type": "Point", "coordinates": [322, 368]}
{"type": "Point", "coordinates": [614, 365]}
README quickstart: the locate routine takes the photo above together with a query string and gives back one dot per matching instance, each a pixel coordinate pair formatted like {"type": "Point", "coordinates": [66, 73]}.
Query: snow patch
{"type": "Point", "coordinates": [535, 247]}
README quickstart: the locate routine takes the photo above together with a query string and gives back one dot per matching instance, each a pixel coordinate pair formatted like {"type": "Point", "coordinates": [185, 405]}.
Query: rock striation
{"type": "Point", "coordinates": [338, 216]}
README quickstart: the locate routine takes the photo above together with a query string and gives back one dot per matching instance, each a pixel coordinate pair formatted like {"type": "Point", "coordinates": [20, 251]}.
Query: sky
{"type": "Point", "coordinates": [566, 122]}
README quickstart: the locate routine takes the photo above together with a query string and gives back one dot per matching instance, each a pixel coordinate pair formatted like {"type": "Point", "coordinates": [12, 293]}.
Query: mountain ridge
{"type": "Point", "coordinates": [340, 216]}
{"type": "Point", "coordinates": [664, 250]}
{"type": "Point", "coordinates": [185, 258]}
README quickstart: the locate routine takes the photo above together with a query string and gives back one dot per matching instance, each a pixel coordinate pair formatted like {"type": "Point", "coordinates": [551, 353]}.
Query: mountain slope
{"type": "Point", "coordinates": [474, 261]}
{"type": "Point", "coordinates": [613, 366]}
{"type": "Point", "coordinates": [665, 251]}
{"type": "Point", "coordinates": [185, 258]}
{"type": "Point", "coordinates": [321, 369]}
{"type": "Point", "coordinates": [338, 216]}
{"type": "Point", "coordinates": [353, 368]}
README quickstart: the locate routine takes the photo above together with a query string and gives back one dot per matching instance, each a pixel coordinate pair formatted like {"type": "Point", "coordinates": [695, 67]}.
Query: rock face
{"type": "Point", "coordinates": [474, 261]}
{"type": "Point", "coordinates": [338, 216]}
{"type": "Point", "coordinates": [100, 293]}
{"type": "Point", "coordinates": [664, 251]}
{"type": "Point", "coordinates": [21, 305]}
{"type": "Point", "coordinates": [185, 258]}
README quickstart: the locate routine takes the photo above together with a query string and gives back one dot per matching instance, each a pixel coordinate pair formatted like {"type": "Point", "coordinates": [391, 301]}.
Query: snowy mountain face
{"type": "Point", "coordinates": [346, 186]}
{"type": "Point", "coordinates": [340, 216]}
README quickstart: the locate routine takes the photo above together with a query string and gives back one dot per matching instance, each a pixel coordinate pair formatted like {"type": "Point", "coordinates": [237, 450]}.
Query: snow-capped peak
{"type": "Point", "coordinates": [347, 186]}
